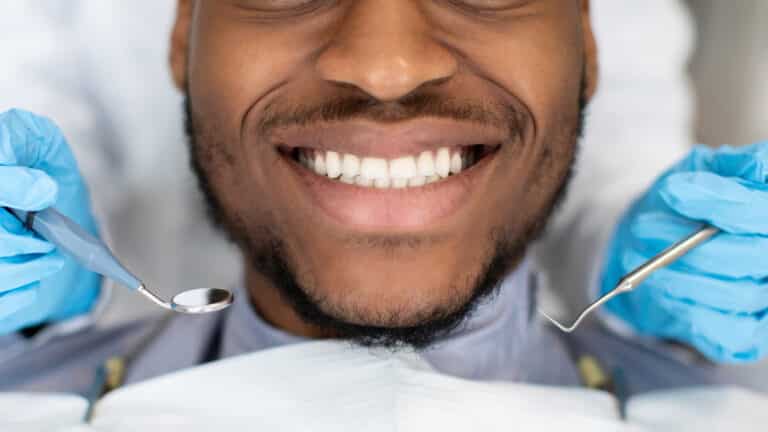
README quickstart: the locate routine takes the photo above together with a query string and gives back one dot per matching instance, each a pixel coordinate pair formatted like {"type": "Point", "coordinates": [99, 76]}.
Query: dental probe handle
{"type": "Point", "coordinates": [667, 256]}
{"type": "Point", "coordinates": [73, 240]}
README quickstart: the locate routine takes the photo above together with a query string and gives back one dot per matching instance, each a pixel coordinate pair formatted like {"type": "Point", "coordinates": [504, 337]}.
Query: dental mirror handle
{"type": "Point", "coordinates": [72, 239]}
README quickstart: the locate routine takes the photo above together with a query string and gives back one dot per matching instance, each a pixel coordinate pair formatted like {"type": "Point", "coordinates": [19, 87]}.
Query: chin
{"type": "Point", "coordinates": [398, 296]}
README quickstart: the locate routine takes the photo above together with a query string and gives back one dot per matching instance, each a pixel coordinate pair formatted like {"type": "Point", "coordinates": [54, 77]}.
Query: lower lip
{"type": "Point", "coordinates": [392, 209]}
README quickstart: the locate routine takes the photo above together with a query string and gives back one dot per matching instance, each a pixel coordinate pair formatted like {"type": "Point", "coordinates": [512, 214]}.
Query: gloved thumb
{"type": "Point", "coordinates": [26, 189]}
{"type": "Point", "coordinates": [733, 204]}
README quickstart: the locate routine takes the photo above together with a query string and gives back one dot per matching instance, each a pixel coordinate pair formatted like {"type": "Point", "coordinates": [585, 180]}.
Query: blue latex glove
{"type": "Point", "coordinates": [714, 298]}
{"type": "Point", "coordinates": [37, 170]}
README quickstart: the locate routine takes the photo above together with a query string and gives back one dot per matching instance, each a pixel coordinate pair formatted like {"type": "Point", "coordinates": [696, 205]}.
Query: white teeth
{"type": "Point", "coordinates": [332, 164]}
{"type": "Point", "coordinates": [417, 181]}
{"type": "Point", "coordinates": [410, 171]}
{"type": "Point", "coordinates": [363, 181]}
{"type": "Point", "coordinates": [469, 159]}
{"type": "Point", "coordinates": [382, 183]}
{"type": "Point", "coordinates": [426, 164]}
{"type": "Point", "coordinates": [443, 162]}
{"type": "Point", "coordinates": [456, 163]}
{"type": "Point", "coordinates": [374, 168]}
{"type": "Point", "coordinates": [350, 166]}
{"type": "Point", "coordinates": [399, 183]}
{"type": "Point", "coordinates": [320, 164]}
{"type": "Point", "coordinates": [307, 158]}
{"type": "Point", "coordinates": [402, 168]}
{"type": "Point", "coordinates": [310, 158]}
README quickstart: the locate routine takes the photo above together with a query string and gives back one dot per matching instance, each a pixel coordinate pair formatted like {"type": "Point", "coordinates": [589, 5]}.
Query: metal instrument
{"type": "Point", "coordinates": [633, 279]}
{"type": "Point", "coordinates": [93, 254]}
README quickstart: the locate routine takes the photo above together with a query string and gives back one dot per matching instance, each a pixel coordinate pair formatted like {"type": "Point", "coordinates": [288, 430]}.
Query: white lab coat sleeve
{"type": "Point", "coordinates": [41, 74]}
{"type": "Point", "coordinates": [638, 124]}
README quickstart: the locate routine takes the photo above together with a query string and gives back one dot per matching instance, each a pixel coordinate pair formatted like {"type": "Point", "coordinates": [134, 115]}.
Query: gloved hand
{"type": "Point", "coordinates": [37, 170]}
{"type": "Point", "coordinates": [714, 298]}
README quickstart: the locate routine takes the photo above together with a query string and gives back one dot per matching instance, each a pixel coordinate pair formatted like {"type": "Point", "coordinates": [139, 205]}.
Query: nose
{"type": "Point", "coordinates": [384, 48]}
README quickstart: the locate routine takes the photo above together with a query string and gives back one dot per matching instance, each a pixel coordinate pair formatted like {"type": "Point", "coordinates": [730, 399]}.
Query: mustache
{"type": "Point", "coordinates": [413, 106]}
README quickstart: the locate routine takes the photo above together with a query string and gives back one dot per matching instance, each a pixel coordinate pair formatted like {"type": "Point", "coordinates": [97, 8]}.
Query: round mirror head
{"type": "Point", "coordinates": [202, 300]}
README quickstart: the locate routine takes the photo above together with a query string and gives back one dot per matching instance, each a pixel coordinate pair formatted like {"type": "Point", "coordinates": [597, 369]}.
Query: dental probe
{"type": "Point", "coordinates": [93, 254]}
{"type": "Point", "coordinates": [641, 273]}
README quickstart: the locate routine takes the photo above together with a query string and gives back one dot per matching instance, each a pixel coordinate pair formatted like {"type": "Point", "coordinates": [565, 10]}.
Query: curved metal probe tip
{"type": "Point", "coordinates": [195, 301]}
{"type": "Point", "coordinates": [622, 287]}
{"type": "Point", "coordinates": [641, 273]}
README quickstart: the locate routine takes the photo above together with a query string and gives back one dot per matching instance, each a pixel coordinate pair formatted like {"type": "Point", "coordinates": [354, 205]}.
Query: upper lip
{"type": "Point", "coordinates": [367, 138]}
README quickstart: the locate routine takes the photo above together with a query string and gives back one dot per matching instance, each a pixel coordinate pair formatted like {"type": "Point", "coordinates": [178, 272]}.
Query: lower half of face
{"type": "Point", "coordinates": [311, 176]}
{"type": "Point", "coordinates": [366, 256]}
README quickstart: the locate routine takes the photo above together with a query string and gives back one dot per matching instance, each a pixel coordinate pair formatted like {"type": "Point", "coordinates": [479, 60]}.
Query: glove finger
{"type": "Point", "coordinates": [734, 205]}
{"type": "Point", "coordinates": [29, 140]}
{"type": "Point", "coordinates": [721, 336]}
{"type": "Point", "coordinates": [11, 224]}
{"type": "Point", "coordinates": [23, 270]}
{"type": "Point", "coordinates": [699, 159]}
{"type": "Point", "coordinates": [25, 137]}
{"type": "Point", "coordinates": [13, 245]}
{"type": "Point", "coordinates": [743, 296]}
{"type": "Point", "coordinates": [16, 239]}
{"type": "Point", "coordinates": [16, 300]}
{"type": "Point", "coordinates": [26, 188]}
{"type": "Point", "coordinates": [728, 255]}
{"type": "Point", "coordinates": [746, 162]}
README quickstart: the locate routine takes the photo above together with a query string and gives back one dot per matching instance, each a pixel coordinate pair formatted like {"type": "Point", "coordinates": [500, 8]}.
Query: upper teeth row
{"type": "Point", "coordinates": [405, 171]}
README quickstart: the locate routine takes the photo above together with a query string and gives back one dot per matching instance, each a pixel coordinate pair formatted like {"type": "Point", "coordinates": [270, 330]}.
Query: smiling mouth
{"type": "Point", "coordinates": [411, 171]}
{"type": "Point", "coordinates": [417, 176]}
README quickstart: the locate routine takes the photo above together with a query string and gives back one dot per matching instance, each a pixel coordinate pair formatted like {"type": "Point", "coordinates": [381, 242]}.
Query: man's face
{"type": "Point", "coordinates": [377, 160]}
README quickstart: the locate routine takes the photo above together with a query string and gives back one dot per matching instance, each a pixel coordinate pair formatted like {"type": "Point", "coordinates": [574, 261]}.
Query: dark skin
{"type": "Point", "coordinates": [239, 59]}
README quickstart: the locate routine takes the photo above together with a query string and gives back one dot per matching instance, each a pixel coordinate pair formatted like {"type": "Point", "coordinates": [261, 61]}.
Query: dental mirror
{"type": "Point", "coordinates": [193, 301]}
{"type": "Point", "coordinates": [93, 254]}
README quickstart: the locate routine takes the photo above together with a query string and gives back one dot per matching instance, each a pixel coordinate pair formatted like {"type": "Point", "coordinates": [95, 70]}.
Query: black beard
{"type": "Point", "coordinates": [268, 258]}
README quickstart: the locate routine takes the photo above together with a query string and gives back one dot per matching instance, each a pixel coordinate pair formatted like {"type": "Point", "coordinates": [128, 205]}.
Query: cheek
{"type": "Point", "coordinates": [535, 64]}
{"type": "Point", "coordinates": [537, 60]}
{"type": "Point", "coordinates": [233, 65]}
{"type": "Point", "coordinates": [546, 94]}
